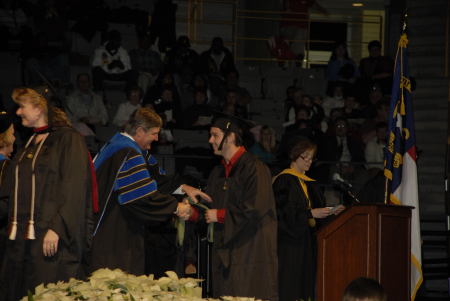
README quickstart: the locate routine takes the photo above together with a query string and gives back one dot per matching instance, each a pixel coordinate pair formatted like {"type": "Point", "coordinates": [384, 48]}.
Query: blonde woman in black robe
{"type": "Point", "coordinates": [50, 203]}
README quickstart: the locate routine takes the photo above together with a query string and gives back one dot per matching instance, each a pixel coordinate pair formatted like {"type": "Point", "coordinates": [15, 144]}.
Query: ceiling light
{"type": "Point", "coordinates": [357, 4]}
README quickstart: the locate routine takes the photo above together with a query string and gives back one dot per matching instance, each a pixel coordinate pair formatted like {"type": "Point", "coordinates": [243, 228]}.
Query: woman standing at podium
{"type": "Point", "coordinates": [299, 205]}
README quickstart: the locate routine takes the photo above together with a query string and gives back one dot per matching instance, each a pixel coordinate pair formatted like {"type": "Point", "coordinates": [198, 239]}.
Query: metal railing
{"type": "Point", "coordinates": [277, 16]}
{"type": "Point", "coordinates": [197, 9]}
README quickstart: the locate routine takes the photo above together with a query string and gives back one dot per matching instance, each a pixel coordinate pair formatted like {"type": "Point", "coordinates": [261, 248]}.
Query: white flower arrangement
{"type": "Point", "coordinates": [116, 285]}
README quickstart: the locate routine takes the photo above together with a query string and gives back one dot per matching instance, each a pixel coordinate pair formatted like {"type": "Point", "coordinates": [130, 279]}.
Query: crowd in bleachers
{"type": "Point", "coordinates": [187, 88]}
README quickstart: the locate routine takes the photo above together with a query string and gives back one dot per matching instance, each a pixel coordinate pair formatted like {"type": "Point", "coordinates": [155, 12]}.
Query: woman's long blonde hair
{"type": "Point", "coordinates": [53, 115]}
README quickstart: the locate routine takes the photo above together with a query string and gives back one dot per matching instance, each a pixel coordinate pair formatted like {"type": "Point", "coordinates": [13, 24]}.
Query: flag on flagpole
{"type": "Point", "coordinates": [400, 166]}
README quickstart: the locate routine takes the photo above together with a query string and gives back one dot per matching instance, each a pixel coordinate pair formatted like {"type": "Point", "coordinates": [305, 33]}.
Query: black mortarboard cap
{"type": "Point", "coordinates": [5, 121]}
{"type": "Point", "coordinates": [230, 123]}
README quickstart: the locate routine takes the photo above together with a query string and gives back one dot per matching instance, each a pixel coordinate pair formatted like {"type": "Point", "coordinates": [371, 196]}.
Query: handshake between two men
{"type": "Point", "coordinates": [184, 209]}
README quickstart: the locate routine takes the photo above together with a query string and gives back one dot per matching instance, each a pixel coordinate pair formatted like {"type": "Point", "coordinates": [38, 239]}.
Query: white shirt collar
{"type": "Point", "coordinates": [127, 135]}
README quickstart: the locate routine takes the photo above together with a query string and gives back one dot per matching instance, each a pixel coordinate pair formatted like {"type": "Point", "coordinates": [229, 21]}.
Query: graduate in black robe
{"type": "Point", "coordinates": [129, 197]}
{"type": "Point", "coordinates": [244, 253]}
{"type": "Point", "coordinates": [50, 203]}
{"type": "Point", "coordinates": [300, 208]}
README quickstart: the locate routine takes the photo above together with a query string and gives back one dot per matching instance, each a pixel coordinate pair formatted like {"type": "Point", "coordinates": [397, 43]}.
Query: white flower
{"type": "Point", "coordinates": [172, 275]}
{"type": "Point", "coordinates": [115, 285]}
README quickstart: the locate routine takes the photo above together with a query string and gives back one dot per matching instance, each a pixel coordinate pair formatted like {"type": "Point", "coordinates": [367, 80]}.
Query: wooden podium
{"type": "Point", "coordinates": [365, 241]}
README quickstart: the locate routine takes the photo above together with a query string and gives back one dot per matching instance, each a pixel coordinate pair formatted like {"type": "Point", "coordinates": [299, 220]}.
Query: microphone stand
{"type": "Point", "coordinates": [352, 195]}
{"type": "Point", "coordinates": [347, 188]}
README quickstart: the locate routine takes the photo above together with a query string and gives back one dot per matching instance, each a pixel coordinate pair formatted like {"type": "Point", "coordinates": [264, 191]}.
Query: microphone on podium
{"type": "Point", "coordinates": [339, 180]}
{"type": "Point", "coordinates": [344, 185]}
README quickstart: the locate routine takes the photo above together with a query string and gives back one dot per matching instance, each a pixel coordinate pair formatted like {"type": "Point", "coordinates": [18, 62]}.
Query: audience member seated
{"type": "Point", "coordinates": [216, 62]}
{"type": "Point", "coordinates": [301, 113]}
{"type": "Point", "coordinates": [327, 124]}
{"type": "Point", "coordinates": [302, 128]}
{"type": "Point", "coordinates": [134, 99]}
{"type": "Point", "coordinates": [266, 148]}
{"type": "Point", "coordinates": [336, 100]}
{"type": "Point", "coordinates": [364, 289]}
{"type": "Point", "coordinates": [290, 113]}
{"type": "Point", "coordinates": [199, 82]}
{"type": "Point", "coordinates": [164, 81]}
{"type": "Point", "coordinates": [342, 147]}
{"type": "Point", "coordinates": [316, 111]}
{"type": "Point", "coordinates": [166, 105]}
{"type": "Point", "coordinates": [369, 126]}
{"type": "Point", "coordinates": [376, 68]}
{"type": "Point", "coordinates": [146, 62]}
{"type": "Point", "coordinates": [351, 108]}
{"type": "Point", "coordinates": [233, 104]}
{"type": "Point", "coordinates": [375, 95]}
{"type": "Point", "coordinates": [165, 138]}
{"type": "Point", "coordinates": [85, 107]}
{"type": "Point", "coordinates": [182, 60]}
{"type": "Point", "coordinates": [199, 115]}
{"type": "Point", "coordinates": [341, 68]}
{"type": "Point", "coordinates": [232, 83]}
{"type": "Point", "coordinates": [112, 62]}
{"type": "Point", "coordinates": [374, 152]}
{"type": "Point", "coordinates": [229, 109]}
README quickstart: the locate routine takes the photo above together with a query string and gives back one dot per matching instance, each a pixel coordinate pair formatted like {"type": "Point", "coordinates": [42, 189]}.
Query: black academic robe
{"type": "Point", "coordinates": [119, 235]}
{"type": "Point", "coordinates": [161, 251]}
{"type": "Point", "coordinates": [63, 203]}
{"type": "Point", "coordinates": [244, 253]}
{"type": "Point", "coordinates": [296, 238]}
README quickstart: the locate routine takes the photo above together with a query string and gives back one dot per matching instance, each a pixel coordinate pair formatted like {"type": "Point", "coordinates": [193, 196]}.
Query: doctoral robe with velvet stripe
{"type": "Point", "coordinates": [161, 251]}
{"type": "Point", "coordinates": [129, 200]}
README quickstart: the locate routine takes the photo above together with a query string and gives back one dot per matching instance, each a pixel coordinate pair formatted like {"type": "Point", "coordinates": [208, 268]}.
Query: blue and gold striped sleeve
{"type": "Point", "coordinates": [133, 181]}
{"type": "Point", "coordinates": [151, 160]}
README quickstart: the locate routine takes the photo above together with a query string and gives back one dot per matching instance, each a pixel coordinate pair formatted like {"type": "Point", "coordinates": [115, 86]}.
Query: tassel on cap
{"type": "Point", "coordinates": [30, 234]}
{"type": "Point", "coordinates": [13, 231]}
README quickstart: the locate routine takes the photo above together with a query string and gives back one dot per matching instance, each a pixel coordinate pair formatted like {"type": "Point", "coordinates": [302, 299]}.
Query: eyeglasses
{"type": "Point", "coordinates": [308, 159]}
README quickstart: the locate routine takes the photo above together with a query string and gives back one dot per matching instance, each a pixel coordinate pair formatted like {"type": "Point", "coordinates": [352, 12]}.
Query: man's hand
{"type": "Point", "coordinates": [183, 211]}
{"type": "Point", "coordinates": [193, 193]}
{"type": "Point", "coordinates": [211, 216]}
{"type": "Point", "coordinates": [50, 245]}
